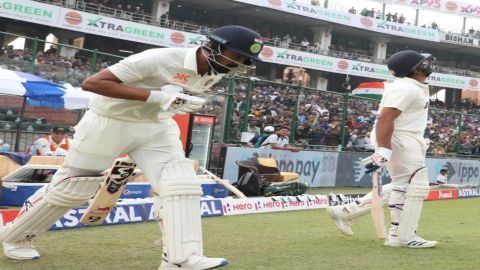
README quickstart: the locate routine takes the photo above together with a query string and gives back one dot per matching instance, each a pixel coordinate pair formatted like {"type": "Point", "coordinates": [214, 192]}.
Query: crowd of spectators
{"type": "Point", "coordinates": [319, 119]}
{"type": "Point", "coordinates": [136, 12]}
{"type": "Point", "coordinates": [51, 65]}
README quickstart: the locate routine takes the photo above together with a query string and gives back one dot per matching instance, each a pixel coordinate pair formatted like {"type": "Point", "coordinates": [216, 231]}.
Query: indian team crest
{"type": "Point", "coordinates": [257, 46]}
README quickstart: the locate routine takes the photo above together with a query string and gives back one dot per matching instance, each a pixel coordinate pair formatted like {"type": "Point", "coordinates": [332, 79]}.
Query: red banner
{"type": "Point", "coordinates": [442, 194]}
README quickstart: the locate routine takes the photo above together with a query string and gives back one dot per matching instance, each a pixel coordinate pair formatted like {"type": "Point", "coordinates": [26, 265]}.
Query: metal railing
{"type": "Point", "coordinates": [233, 100]}
{"type": "Point", "coordinates": [193, 28]}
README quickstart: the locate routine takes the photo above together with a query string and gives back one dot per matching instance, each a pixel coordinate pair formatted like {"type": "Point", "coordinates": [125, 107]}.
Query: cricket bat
{"type": "Point", "coordinates": [109, 192]}
{"type": "Point", "coordinates": [377, 207]}
{"type": "Point", "coordinates": [225, 183]}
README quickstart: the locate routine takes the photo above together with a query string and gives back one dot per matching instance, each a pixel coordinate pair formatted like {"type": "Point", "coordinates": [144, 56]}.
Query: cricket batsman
{"type": "Point", "coordinates": [400, 146]}
{"type": "Point", "coordinates": [132, 113]}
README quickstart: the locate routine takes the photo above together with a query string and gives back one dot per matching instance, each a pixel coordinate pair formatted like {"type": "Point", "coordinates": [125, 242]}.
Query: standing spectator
{"type": "Point", "coordinates": [352, 10]}
{"type": "Point", "coordinates": [305, 43]}
{"type": "Point", "coordinates": [51, 51]}
{"type": "Point", "coordinates": [395, 17]}
{"type": "Point", "coordinates": [389, 16]}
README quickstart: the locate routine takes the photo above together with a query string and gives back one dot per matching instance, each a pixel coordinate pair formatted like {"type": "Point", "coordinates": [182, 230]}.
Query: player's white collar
{"type": "Point", "coordinates": [190, 61]}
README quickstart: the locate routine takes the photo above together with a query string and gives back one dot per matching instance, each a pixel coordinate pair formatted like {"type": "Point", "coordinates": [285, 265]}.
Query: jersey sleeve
{"type": "Point", "coordinates": [398, 97]}
{"type": "Point", "coordinates": [139, 66]}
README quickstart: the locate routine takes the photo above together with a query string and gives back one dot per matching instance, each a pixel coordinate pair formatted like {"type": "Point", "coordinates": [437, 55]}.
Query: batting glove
{"type": "Point", "coordinates": [377, 160]}
{"type": "Point", "coordinates": [170, 98]}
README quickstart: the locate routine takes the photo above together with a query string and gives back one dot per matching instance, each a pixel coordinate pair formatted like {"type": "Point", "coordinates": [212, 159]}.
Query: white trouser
{"type": "Point", "coordinates": [408, 156]}
{"type": "Point", "coordinates": [97, 142]}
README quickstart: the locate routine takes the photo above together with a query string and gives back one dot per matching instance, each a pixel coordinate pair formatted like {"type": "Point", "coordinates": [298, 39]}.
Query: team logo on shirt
{"type": "Point", "coordinates": [181, 78]}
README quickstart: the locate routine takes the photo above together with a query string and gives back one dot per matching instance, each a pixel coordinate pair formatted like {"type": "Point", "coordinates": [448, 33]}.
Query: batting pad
{"type": "Point", "coordinates": [363, 205]}
{"type": "Point", "coordinates": [417, 190]}
{"type": "Point", "coordinates": [179, 192]}
{"type": "Point", "coordinates": [48, 205]}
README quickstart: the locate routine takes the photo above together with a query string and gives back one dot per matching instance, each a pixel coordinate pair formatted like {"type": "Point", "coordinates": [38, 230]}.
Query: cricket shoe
{"type": "Point", "coordinates": [194, 262]}
{"type": "Point", "coordinates": [21, 250]}
{"type": "Point", "coordinates": [345, 226]}
{"type": "Point", "coordinates": [414, 242]}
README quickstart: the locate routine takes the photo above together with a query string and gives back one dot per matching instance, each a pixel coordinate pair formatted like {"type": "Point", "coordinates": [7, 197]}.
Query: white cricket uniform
{"type": "Point", "coordinates": [442, 179]}
{"type": "Point", "coordinates": [113, 127]}
{"type": "Point", "coordinates": [408, 146]}
{"type": "Point", "coordinates": [148, 134]}
{"type": "Point", "coordinates": [281, 142]}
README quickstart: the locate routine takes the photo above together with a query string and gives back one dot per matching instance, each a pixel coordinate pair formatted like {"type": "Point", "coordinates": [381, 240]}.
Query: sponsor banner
{"type": "Point", "coordinates": [121, 29]}
{"type": "Point", "coordinates": [460, 39]}
{"type": "Point", "coordinates": [352, 67]}
{"type": "Point", "coordinates": [469, 192]}
{"type": "Point", "coordinates": [74, 20]}
{"type": "Point", "coordinates": [345, 18]}
{"type": "Point", "coordinates": [341, 199]}
{"type": "Point", "coordinates": [317, 169]}
{"type": "Point", "coordinates": [273, 204]}
{"type": "Point", "coordinates": [30, 11]}
{"type": "Point", "coordinates": [442, 194]}
{"type": "Point", "coordinates": [460, 171]}
{"type": "Point", "coordinates": [463, 8]}
{"type": "Point", "coordinates": [353, 173]}
{"type": "Point", "coordinates": [208, 208]}
{"type": "Point", "coordinates": [125, 213]}
{"type": "Point", "coordinates": [121, 214]}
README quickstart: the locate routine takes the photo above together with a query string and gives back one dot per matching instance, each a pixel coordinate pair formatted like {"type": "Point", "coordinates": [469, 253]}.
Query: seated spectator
{"type": "Point", "coordinates": [442, 178]}
{"type": "Point", "coordinates": [438, 150]}
{"type": "Point", "coordinates": [259, 139]}
{"type": "Point", "coordinates": [55, 144]}
{"type": "Point", "coordinates": [253, 127]}
{"type": "Point", "coordinates": [279, 141]}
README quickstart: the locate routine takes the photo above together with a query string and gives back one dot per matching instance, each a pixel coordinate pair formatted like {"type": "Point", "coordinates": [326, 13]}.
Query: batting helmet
{"type": "Point", "coordinates": [239, 39]}
{"type": "Point", "coordinates": [402, 63]}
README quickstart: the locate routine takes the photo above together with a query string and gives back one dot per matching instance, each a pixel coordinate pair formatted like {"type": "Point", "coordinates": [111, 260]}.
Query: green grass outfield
{"type": "Point", "coordinates": [284, 241]}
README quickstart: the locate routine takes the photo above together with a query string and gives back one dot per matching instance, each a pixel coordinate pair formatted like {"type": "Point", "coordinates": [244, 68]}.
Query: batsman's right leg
{"type": "Point", "coordinates": [43, 209]}
{"type": "Point", "coordinates": [345, 214]}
